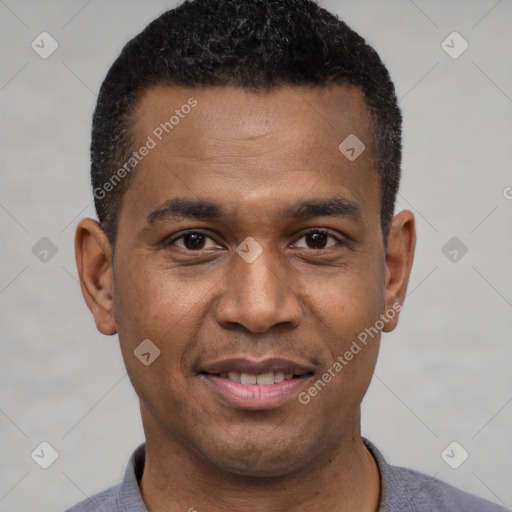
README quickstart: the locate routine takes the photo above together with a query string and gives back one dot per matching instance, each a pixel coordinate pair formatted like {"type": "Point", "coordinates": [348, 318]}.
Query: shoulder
{"type": "Point", "coordinates": [408, 490]}
{"type": "Point", "coordinates": [433, 495]}
{"type": "Point", "coordinates": [123, 497]}
{"type": "Point", "coordinates": [104, 501]}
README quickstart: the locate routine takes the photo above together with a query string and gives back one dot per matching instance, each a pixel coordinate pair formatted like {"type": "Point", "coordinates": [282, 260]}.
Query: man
{"type": "Point", "coordinates": [245, 163]}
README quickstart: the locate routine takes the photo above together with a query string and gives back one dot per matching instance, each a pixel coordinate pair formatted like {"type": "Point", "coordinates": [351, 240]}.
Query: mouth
{"type": "Point", "coordinates": [256, 385]}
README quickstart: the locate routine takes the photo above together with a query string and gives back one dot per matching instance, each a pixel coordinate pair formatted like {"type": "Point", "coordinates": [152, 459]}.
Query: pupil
{"type": "Point", "coordinates": [197, 243]}
{"type": "Point", "coordinates": [317, 238]}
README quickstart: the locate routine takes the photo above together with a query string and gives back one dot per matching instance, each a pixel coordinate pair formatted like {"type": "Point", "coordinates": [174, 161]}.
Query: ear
{"type": "Point", "coordinates": [93, 255]}
{"type": "Point", "coordinates": [400, 255]}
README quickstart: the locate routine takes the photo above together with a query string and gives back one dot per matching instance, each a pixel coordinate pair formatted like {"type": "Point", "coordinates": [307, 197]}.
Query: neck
{"type": "Point", "coordinates": [343, 478]}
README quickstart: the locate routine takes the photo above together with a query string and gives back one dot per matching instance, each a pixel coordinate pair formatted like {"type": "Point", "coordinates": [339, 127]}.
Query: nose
{"type": "Point", "coordinates": [258, 295]}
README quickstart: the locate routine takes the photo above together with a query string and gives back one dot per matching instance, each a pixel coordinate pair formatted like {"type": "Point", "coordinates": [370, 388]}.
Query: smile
{"type": "Point", "coordinates": [263, 379]}
{"type": "Point", "coordinates": [246, 383]}
{"type": "Point", "coordinates": [255, 392]}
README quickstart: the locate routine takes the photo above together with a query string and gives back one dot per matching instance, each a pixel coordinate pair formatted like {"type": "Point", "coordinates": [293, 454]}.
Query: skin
{"type": "Point", "coordinates": [254, 154]}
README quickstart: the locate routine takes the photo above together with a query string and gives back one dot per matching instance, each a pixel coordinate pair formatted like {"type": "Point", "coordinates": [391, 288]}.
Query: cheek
{"type": "Point", "coordinates": [339, 388]}
{"type": "Point", "coordinates": [146, 308]}
{"type": "Point", "coordinates": [150, 306]}
{"type": "Point", "coordinates": [347, 303]}
{"type": "Point", "coordinates": [345, 312]}
{"type": "Point", "coordinates": [156, 304]}
{"type": "Point", "coordinates": [154, 301]}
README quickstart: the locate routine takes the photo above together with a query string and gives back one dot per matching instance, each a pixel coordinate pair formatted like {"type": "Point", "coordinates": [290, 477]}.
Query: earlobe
{"type": "Point", "coordinates": [400, 256]}
{"type": "Point", "coordinates": [93, 259]}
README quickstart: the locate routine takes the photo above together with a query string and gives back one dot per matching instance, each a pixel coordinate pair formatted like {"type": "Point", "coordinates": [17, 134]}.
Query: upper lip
{"type": "Point", "coordinates": [257, 367]}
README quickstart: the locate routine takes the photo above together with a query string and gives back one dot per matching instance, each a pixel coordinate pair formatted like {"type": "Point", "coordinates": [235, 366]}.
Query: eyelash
{"type": "Point", "coordinates": [308, 232]}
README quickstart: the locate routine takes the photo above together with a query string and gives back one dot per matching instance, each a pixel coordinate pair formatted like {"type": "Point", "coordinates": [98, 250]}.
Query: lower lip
{"type": "Point", "coordinates": [255, 396]}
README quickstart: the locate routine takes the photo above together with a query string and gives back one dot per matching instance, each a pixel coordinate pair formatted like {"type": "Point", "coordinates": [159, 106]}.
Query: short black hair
{"type": "Point", "coordinates": [259, 45]}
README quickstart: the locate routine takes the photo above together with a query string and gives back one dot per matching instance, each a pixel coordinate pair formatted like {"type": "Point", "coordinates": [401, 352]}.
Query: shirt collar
{"type": "Point", "coordinates": [395, 495]}
{"type": "Point", "coordinates": [129, 498]}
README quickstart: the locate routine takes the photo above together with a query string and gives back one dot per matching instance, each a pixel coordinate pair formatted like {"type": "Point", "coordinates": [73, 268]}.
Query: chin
{"type": "Point", "coordinates": [271, 459]}
{"type": "Point", "coordinates": [262, 469]}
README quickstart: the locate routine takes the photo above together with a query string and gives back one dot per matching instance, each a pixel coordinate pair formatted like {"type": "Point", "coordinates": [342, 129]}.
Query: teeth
{"type": "Point", "coordinates": [234, 376]}
{"type": "Point", "coordinates": [247, 378]}
{"type": "Point", "coordinates": [264, 379]}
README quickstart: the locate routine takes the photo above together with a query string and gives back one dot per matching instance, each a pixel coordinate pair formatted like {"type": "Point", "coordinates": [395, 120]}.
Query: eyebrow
{"type": "Point", "coordinates": [179, 208]}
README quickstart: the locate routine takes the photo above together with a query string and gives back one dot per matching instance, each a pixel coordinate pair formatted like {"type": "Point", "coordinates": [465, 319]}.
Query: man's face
{"type": "Point", "coordinates": [203, 299]}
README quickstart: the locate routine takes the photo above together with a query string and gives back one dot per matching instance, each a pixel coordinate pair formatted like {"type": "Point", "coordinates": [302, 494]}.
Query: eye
{"type": "Point", "coordinates": [196, 240]}
{"type": "Point", "coordinates": [192, 241]}
{"type": "Point", "coordinates": [318, 238]}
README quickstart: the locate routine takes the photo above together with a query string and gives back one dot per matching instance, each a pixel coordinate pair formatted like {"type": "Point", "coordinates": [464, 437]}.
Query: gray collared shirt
{"type": "Point", "coordinates": [402, 490]}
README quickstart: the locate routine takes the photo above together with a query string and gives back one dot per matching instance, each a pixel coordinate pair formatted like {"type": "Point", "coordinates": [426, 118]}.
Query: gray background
{"type": "Point", "coordinates": [443, 375]}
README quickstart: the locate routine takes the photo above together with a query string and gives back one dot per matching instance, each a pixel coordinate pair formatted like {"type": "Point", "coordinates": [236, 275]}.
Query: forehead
{"type": "Point", "coordinates": [320, 114]}
{"type": "Point", "coordinates": [239, 146]}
